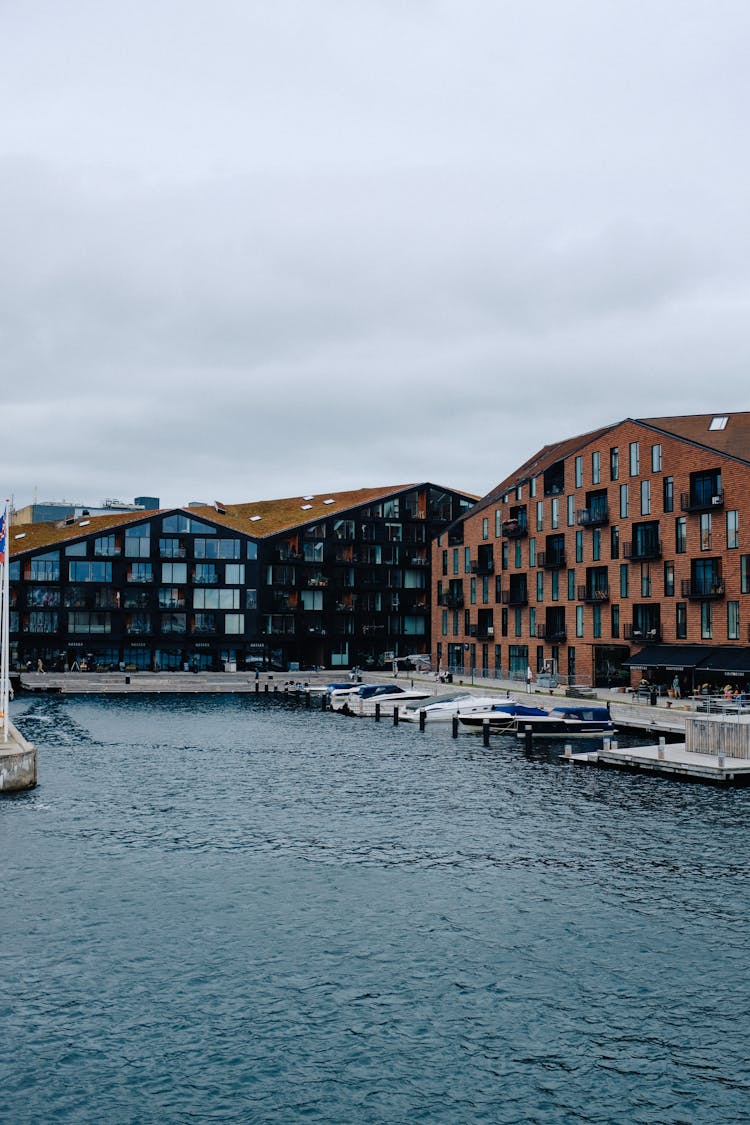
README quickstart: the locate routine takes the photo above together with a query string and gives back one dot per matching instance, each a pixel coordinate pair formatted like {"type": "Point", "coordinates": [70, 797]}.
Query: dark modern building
{"type": "Point", "coordinates": [339, 579]}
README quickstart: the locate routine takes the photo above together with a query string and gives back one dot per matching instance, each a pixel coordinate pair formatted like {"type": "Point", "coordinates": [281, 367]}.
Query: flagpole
{"type": "Point", "coordinates": [5, 623]}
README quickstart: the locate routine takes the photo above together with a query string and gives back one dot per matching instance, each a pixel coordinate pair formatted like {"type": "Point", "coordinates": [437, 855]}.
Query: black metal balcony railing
{"type": "Point", "coordinates": [482, 632]}
{"type": "Point", "coordinates": [551, 633]}
{"type": "Point", "coordinates": [642, 551]}
{"type": "Point", "coordinates": [451, 601]}
{"type": "Point", "coordinates": [702, 591]}
{"type": "Point", "coordinates": [593, 593]}
{"type": "Point", "coordinates": [514, 529]}
{"type": "Point", "coordinates": [632, 632]}
{"type": "Point", "coordinates": [593, 517]}
{"type": "Point", "coordinates": [550, 560]}
{"type": "Point", "coordinates": [485, 566]}
{"type": "Point", "coordinates": [514, 597]}
{"type": "Point", "coordinates": [690, 502]}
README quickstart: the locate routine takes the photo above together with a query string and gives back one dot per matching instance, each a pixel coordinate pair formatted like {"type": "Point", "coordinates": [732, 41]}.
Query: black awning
{"type": "Point", "coordinates": [677, 658]}
{"type": "Point", "coordinates": [733, 661]}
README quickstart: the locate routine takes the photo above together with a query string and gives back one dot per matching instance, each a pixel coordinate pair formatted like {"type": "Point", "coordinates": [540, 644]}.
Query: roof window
{"type": "Point", "coordinates": [254, 519]}
{"type": "Point", "coordinates": [21, 535]}
{"type": "Point", "coordinates": [719, 422]}
{"type": "Point", "coordinates": [84, 523]}
{"type": "Point", "coordinates": [306, 507]}
{"type": "Point", "coordinates": [329, 501]}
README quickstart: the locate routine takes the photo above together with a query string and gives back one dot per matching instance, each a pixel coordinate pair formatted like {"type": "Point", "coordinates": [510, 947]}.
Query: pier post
{"type": "Point", "coordinates": [486, 732]}
{"type": "Point", "coordinates": [527, 737]}
{"type": "Point", "coordinates": [568, 751]}
{"type": "Point", "coordinates": [307, 699]}
{"type": "Point", "coordinates": [323, 702]}
{"type": "Point", "coordinates": [266, 687]}
{"type": "Point", "coordinates": [454, 726]}
{"type": "Point", "coordinates": [377, 712]}
{"type": "Point", "coordinates": [422, 719]}
{"type": "Point", "coordinates": [395, 715]}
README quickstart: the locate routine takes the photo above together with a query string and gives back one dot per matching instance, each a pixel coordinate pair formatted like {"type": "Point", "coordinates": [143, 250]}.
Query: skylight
{"type": "Point", "coordinates": [308, 497]}
{"type": "Point", "coordinates": [254, 519]}
{"type": "Point", "coordinates": [21, 535]}
{"type": "Point", "coordinates": [84, 523]}
{"type": "Point", "coordinates": [306, 507]}
{"type": "Point", "coordinates": [719, 422]}
{"type": "Point", "coordinates": [329, 501]}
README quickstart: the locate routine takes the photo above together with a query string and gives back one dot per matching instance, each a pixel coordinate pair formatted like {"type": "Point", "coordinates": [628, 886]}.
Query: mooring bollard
{"type": "Point", "coordinates": [568, 751]}
{"type": "Point", "coordinates": [266, 687]}
{"type": "Point", "coordinates": [422, 718]}
{"type": "Point", "coordinates": [377, 712]}
{"type": "Point", "coordinates": [527, 737]}
{"type": "Point", "coordinates": [454, 726]}
{"type": "Point", "coordinates": [257, 687]}
{"type": "Point", "coordinates": [486, 731]}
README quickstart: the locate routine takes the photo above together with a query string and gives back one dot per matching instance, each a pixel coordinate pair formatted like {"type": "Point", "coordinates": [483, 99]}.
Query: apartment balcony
{"type": "Point", "coordinates": [641, 552]}
{"type": "Point", "coordinates": [690, 502]}
{"type": "Point", "coordinates": [635, 633]}
{"type": "Point", "coordinates": [550, 560]}
{"type": "Point", "coordinates": [482, 632]}
{"type": "Point", "coordinates": [703, 591]}
{"type": "Point", "coordinates": [593, 517]}
{"type": "Point", "coordinates": [589, 594]}
{"type": "Point", "coordinates": [514, 529]}
{"type": "Point", "coordinates": [451, 601]}
{"type": "Point", "coordinates": [514, 597]}
{"type": "Point", "coordinates": [551, 633]}
{"type": "Point", "coordinates": [486, 567]}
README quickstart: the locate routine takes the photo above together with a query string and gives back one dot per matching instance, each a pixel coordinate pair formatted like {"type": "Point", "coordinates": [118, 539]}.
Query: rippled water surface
{"type": "Point", "coordinates": [236, 909]}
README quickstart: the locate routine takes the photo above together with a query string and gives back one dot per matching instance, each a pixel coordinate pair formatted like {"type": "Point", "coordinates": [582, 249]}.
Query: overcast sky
{"type": "Point", "coordinates": [260, 248]}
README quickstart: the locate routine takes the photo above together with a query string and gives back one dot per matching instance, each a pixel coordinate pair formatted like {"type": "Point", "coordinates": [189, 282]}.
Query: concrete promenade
{"type": "Point", "coordinates": [627, 710]}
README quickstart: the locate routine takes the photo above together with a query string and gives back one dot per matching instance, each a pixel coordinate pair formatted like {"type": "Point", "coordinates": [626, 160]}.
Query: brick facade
{"type": "Point", "coordinates": [601, 574]}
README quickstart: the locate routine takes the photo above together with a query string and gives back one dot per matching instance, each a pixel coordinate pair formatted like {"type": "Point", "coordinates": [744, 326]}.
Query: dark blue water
{"type": "Point", "coordinates": [234, 909]}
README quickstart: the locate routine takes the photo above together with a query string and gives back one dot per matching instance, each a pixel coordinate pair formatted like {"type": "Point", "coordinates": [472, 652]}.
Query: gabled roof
{"type": "Point", "coordinates": [547, 456]}
{"type": "Point", "coordinates": [732, 441]}
{"type": "Point", "coordinates": [32, 536]}
{"type": "Point", "coordinates": [258, 519]}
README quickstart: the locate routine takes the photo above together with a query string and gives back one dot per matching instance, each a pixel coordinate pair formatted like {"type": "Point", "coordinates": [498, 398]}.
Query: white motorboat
{"type": "Point", "coordinates": [442, 708]}
{"type": "Point", "coordinates": [362, 700]}
{"type": "Point", "coordinates": [561, 722]}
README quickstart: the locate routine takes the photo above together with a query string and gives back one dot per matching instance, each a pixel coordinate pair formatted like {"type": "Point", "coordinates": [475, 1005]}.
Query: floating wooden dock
{"type": "Point", "coordinates": [674, 761]}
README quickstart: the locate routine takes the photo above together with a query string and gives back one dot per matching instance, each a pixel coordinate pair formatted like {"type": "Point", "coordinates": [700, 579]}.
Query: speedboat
{"type": "Point", "coordinates": [442, 708]}
{"type": "Point", "coordinates": [503, 717]}
{"type": "Point", "coordinates": [575, 721]}
{"type": "Point", "coordinates": [362, 699]}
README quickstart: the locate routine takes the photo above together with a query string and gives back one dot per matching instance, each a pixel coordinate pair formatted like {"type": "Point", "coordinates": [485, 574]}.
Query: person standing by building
{"type": "Point", "coordinates": [676, 692]}
{"type": "Point", "coordinates": [529, 677]}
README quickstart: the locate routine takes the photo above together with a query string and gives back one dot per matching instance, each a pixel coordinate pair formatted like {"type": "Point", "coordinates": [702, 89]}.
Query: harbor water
{"type": "Point", "coordinates": [238, 909]}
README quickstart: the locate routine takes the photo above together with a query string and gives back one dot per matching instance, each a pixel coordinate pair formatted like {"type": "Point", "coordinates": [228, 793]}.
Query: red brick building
{"type": "Point", "coordinates": [625, 547]}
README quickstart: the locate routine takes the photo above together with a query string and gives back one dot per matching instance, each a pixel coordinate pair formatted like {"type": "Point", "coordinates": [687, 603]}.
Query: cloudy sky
{"type": "Point", "coordinates": [256, 248]}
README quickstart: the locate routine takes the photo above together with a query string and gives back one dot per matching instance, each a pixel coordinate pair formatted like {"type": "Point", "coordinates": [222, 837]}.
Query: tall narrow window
{"type": "Point", "coordinates": [579, 472]}
{"type": "Point", "coordinates": [645, 497]}
{"type": "Point", "coordinates": [615, 622]}
{"type": "Point", "coordinates": [668, 579]}
{"type": "Point", "coordinates": [655, 458]}
{"type": "Point", "coordinates": [555, 585]}
{"type": "Point", "coordinates": [579, 546]}
{"type": "Point", "coordinates": [571, 510]}
{"type": "Point", "coordinates": [485, 528]}
{"type": "Point", "coordinates": [571, 585]}
{"type": "Point", "coordinates": [623, 580]}
{"type": "Point", "coordinates": [680, 535]}
{"type": "Point", "coordinates": [681, 620]}
{"type": "Point", "coordinates": [579, 620]}
{"type": "Point", "coordinates": [733, 621]}
{"type": "Point", "coordinates": [733, 539]}
{"type": "Point", "coordinates": [624, 501]}
{"type": "Point", "coordinates": [596, 544]}
{"type": "Point", "coordinates": [597, 620]}
{"type": "Point", "coordinates": [645, 580]}
{"type": "Point", "coordinates": [614, 541]}
{"type": "Point", "coordinates": [540, 515]}
{"type": "Point", "coordinates": [705, 531]}
{"type": "Point", "coordinates": [614, 463]}
{"type": "Point", "coordinates": [540, 585]}
{"type": "Point", "coordinates": [532, 552]}
{"type": "Point", "coordinates": [555, 508]}
{"type": "Point", "coordinates": [707, 621]}
{"type": "Point", "coordinates": [596, 471]}
{"type": "Point", "coordinates": [669, 494]}
{"type": "Point", "coordinates": [745, 574]}
{"type": "Point", "coordinates": [498, 523]}
{"type": "Point", "coordinates": [635, 459]}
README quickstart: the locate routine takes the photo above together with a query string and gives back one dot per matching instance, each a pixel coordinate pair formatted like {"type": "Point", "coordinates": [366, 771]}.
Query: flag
{"type": "Point", "coordinates": [2, 535]}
